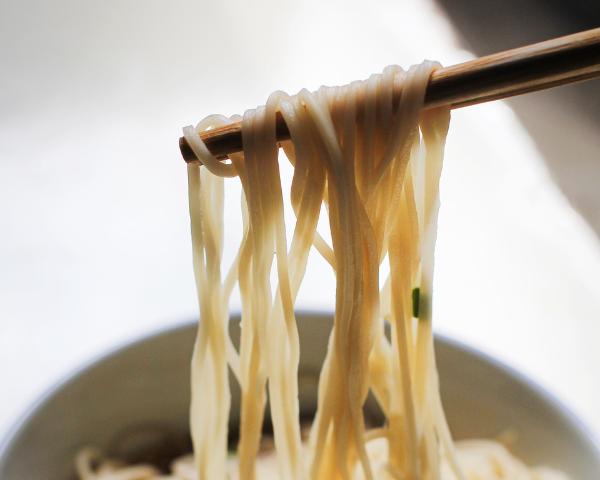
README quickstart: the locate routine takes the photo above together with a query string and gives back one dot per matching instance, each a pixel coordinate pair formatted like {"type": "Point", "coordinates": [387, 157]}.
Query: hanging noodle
{"type": "Point", "coordinates": [377, 169]}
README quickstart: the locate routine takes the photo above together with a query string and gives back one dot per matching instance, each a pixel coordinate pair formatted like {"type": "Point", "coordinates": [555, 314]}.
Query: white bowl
{"type": "Point", "coordinates": [134, 402]}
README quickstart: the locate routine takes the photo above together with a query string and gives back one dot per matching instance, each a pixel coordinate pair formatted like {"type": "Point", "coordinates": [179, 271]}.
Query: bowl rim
{"type": "Point", "coordinates": [73, 374]}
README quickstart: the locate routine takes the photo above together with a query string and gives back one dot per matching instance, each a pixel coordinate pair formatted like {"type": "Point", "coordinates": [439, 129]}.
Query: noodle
{"type": "Point", "coordinates": [376, 168]}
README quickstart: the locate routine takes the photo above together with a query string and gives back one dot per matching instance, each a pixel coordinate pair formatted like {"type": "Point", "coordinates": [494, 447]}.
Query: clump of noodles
{"type": "Point", "coordinates": [375, 163]}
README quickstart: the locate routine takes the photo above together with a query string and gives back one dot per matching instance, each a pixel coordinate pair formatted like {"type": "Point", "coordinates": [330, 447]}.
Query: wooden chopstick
{"type": "Point", "coordinates": [568, 59]}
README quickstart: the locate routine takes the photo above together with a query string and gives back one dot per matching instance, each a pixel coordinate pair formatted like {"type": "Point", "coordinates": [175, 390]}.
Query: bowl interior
{"type": "Point", "coordinates": [135, 400]}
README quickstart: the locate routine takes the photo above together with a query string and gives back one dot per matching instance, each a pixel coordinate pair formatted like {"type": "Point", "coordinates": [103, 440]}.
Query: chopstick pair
{"type": "Point", "coordinates": [568, 59]}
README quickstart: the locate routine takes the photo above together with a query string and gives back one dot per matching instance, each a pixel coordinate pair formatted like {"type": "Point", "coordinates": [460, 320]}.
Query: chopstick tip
{"type": "Point", "coordinates": [186, 152]}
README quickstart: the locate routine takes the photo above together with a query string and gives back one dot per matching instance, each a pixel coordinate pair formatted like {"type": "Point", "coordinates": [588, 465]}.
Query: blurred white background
{"type": "Point", "coordinates": [94, 244]}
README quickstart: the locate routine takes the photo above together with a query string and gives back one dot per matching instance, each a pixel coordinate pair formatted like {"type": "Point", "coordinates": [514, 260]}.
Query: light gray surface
{"type": "Point", "coordinates": [144, 387]}
{"type": "Point", "coordinates": [564, 122]}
